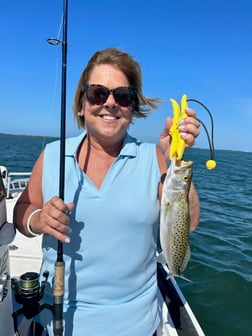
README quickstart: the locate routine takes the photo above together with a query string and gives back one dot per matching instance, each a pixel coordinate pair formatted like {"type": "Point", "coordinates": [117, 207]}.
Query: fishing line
{"type": "Point", "coordinates": [53, 99]}
{"type": "Point", "coordinates": [54, 41]}
{"type": "Point", "coordinates": [210, 164]}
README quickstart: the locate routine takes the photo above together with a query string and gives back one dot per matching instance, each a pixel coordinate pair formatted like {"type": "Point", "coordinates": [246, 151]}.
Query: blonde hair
{"type": "Point", "coordinates": [131, 69]}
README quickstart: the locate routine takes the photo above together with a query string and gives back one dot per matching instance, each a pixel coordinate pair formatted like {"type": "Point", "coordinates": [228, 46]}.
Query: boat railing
{"type": "Point", "coordinates": [15, 182]}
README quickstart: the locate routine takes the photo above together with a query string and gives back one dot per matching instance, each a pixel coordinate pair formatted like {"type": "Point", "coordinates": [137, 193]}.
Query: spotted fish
{"type": "Point", "coordinates": [175, 217]}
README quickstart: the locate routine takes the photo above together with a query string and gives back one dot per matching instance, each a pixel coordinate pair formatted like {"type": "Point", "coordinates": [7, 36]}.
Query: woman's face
{"type": "Point", "coordinates": [107, 122]}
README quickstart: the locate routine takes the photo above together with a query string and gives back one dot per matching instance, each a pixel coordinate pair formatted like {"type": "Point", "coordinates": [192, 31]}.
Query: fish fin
{"type": "Point", "coordinates": [181, 276]}
{"type": "Point", "coordinates": [161, 259]}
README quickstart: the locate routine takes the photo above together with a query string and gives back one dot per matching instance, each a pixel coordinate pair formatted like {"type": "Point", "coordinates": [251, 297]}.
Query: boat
{"type": "Point", "coordinates": [16, 258]}
{"type": "Point", "coordinates": [6, 236]}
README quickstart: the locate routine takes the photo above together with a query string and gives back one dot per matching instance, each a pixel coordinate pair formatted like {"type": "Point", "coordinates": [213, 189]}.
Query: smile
{"type": "Point", "coordinates": [108, 117]}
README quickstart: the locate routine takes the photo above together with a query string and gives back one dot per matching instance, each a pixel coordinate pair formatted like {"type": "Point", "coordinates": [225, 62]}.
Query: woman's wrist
{"type": "Point", "coordinates": [28, 224]}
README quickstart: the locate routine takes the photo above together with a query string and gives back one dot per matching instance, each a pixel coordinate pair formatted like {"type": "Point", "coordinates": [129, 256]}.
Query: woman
{"type": "Point", "coordinates": [113, 185]}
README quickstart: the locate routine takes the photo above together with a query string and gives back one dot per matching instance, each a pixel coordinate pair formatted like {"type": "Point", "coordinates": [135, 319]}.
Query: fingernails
{"type": "Point", "coordinates": [67, 240]}
{"type": "Point", "coordinates": [188, 109]}
{"type": "Point", "coordinates": [183, 135]}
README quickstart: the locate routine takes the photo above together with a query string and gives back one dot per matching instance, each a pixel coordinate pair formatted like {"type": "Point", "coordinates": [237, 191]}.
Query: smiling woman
{"type": "Point", "coordinates": [124, 63]}
{"type": "Point", "coordinates": [113, 185]}
{"type": "Point", "coordinates": [106, 123]}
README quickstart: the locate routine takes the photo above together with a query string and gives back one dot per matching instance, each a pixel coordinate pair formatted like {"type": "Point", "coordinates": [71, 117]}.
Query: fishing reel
{"type": "Point", "coordinates": [28, 292]}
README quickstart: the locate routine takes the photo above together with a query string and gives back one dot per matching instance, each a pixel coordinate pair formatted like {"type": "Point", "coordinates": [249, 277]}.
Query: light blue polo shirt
{"type": "Point", "coordinates": [110, 263]}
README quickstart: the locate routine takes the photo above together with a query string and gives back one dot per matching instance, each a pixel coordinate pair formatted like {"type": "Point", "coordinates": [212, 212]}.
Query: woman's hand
{"type": "Point", "coordinates": [53, 219]}
{"type": "Point", "coordinates": [188, 127]}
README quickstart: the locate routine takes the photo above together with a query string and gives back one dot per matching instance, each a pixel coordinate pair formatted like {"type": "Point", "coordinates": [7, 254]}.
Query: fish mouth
{"type": "Point", "coordinates": [180, 164]}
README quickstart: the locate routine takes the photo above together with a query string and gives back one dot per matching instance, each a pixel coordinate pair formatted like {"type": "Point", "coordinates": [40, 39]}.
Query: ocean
{"type": "Point", "coordinates": [220, 267]}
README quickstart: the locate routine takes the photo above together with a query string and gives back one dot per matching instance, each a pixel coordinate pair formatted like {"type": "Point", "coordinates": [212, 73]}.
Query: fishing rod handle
{"type": "Point", "coordinates": [58, 297]}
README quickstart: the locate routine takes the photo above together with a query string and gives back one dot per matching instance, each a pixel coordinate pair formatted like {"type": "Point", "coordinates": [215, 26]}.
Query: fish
{"type": "Point", "coordinates": [175, 217]}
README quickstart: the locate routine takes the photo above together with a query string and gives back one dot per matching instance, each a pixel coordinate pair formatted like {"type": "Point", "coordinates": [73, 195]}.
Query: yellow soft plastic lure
{"type": "Point", "coordinates": [178, 143]}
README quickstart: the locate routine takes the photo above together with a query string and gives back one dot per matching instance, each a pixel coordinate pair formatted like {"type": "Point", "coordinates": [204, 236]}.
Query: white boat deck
{"type": "Point", "coordinates": [25, 253]}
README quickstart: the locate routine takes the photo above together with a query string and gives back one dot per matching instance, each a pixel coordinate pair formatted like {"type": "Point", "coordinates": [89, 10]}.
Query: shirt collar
{"type": "Point", "coordinates": [129, 145]}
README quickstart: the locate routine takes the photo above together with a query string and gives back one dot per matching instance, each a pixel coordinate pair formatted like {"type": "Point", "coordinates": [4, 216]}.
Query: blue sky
{"type": "Point", "coordinates": [201, 48]}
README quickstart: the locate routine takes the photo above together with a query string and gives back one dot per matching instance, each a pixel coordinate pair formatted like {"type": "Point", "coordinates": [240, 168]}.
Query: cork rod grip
{"type": "Point", "coordinates": [58, 296]}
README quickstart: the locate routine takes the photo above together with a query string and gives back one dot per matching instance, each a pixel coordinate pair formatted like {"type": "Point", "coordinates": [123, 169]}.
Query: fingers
{"type": "Point", "coordinates": [167, 127]}
{"type": "Point", "coordinates": [190, 112]}
{"type": "Point", "coordinates": [189, 128]}
{"type": "Point", "coordinates": [54, 219]}
{"type": "Point", "coordinates": [165, 138]}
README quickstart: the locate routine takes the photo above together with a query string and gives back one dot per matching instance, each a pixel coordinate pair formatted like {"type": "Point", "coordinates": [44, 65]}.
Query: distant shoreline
{"type": "Point", "coordinates": [28, 136]}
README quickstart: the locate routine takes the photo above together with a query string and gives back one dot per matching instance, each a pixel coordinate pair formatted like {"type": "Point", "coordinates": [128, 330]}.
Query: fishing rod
{"type": "Point", "coordinates": [28, 291]}
{"type": "Point", "coordinates": [59, 266]}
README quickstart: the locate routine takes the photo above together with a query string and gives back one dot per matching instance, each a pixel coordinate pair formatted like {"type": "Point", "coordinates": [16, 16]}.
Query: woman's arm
{"type": "Point", "coordinates": [32, 216]}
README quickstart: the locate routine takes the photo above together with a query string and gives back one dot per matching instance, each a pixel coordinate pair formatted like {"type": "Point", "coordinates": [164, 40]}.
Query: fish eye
{"type": "Point", "coordinates": [185, 178]}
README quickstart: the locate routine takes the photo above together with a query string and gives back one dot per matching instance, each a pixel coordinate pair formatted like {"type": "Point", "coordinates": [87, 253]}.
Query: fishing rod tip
{"type": "Point", "coordinates": [211, 164]}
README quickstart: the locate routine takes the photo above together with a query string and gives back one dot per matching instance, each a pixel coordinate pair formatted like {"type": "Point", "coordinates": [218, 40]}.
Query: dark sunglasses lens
{"type": "Point", "coordinates": [123, 96]}
{"type": "Point", "coordinates": [97, 95]}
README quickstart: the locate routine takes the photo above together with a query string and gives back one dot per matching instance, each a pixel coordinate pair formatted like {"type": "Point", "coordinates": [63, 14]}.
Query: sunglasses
{"type": "Point", "coordinates": [98, 94]}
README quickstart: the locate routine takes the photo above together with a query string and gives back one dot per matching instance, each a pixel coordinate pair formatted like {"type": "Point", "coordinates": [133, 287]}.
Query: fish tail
{"type": "Point", "coordinates": [181, 276]}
